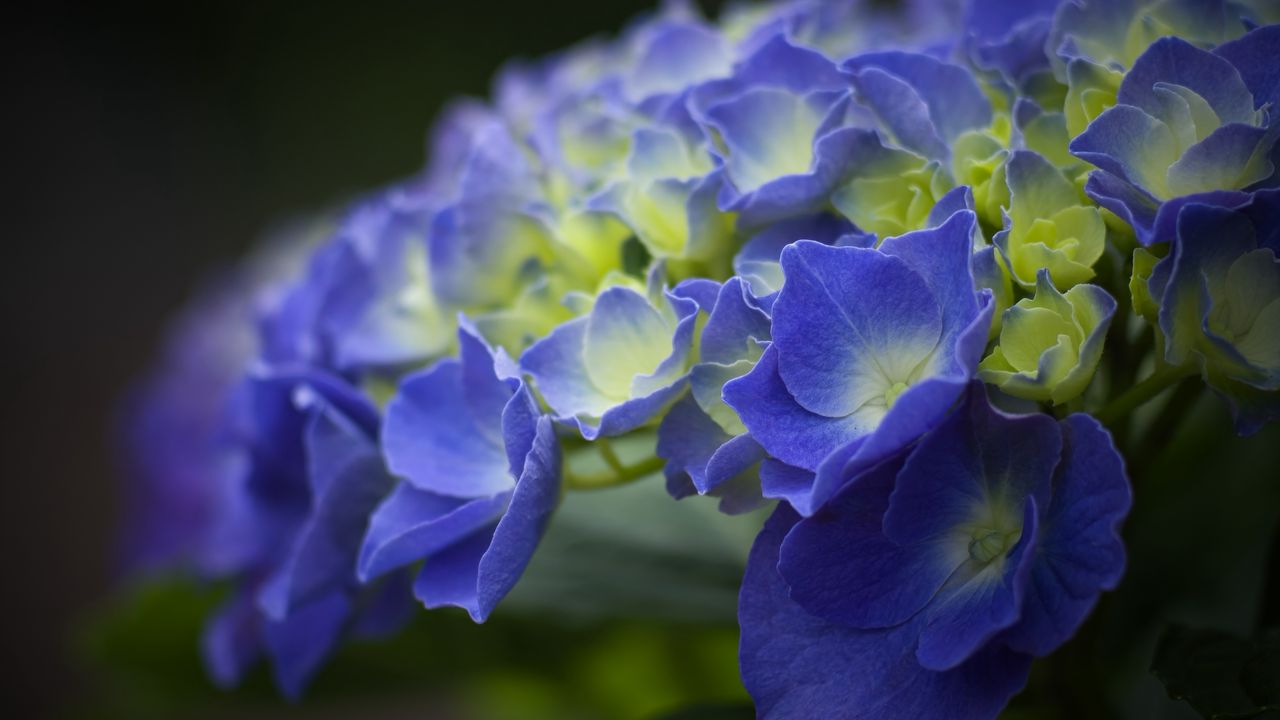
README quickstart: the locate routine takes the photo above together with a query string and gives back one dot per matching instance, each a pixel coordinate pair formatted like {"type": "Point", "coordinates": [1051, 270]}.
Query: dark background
{"type": "Point", "coordinates": [150, 142]}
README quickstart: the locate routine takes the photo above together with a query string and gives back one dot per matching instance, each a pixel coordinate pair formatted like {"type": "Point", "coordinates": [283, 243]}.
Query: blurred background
{"type": "Point", "coordinates": [150, 143]}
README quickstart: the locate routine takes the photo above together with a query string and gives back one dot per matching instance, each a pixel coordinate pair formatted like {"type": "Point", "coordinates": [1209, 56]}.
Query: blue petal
{"type": "Point", "coordinates": [625, 337]}
{"type": "Point", "coordinates": [519, 427]}
{"type": "Point", "coordinates": [299, 644]}
{"type": "Point", "coordinates": [993, 19]}
{"type": "Point", "coordinates": [963, 460]}
{"type": "Point", "coordinates": [385, 608]}
{"type": "Point", "coordinates": [559, 371]}
{"type": "Point", "coordinates": [797, 665]}
{"type": "Point", "coordinates": [348, 481]}
{"type": "Point", "coordinates": [848, 324]}
{"type": "Point", "coordinates": [478, 572]}
{"type": "Point", "coordinates": [381, 312]}
{"type": "Point", "coordinates": [1020, 55]}
{"type": "Point", "coordinates": [901, 111]}
{"type": "Point", "coordinates": [1134, 205]}
{"type": "Point", "coordinates": [785, 152]}
{"type": "Point", "coordinates": [687, 438]}
{"type": "Point", "coordinates": [942, 256]}
{"type": "Point", "coordinates": [783, 427]}
{"type": "Point", "coordinates": [732, 458]}
{"type": "Point", "coordinates": [482, 247]}
{"type": "Point", "coordinates": [1254, 58]}
{"type": "Point", "coordinates": [787, 482]}
{"type": "Point", "coordinates": [484, 393]}
{"type": "Point", "coordinates": [232, 639]}
{"type": "Point", "coordinates": [1080, 552]}
{"type": "Point", "coordinates": [1128, 142]}
{"type": "Point", "coordinates": [758, 262]}
{"type": "Point", "coordinates": [769, 133]}
{"type": "Point", "coordinates": [734, 327]}
{"type": "Point", "coordinates": [778, 63]}
{"type": "Point", "coordinates": [950, 93]}
{"type": "Point", "coordinates": [412, 524]}
{"type": "Point", "coordinates": [702, 291]}
{"type": "Point", "coordinates": [842, 567]}
{"type": "Point", "coordinates": [431, 439]}
{"type": "Point", "coordinates": [1178, 62]}
{"type": "Point", "coordinates": [617, 368]}
{"type": "Point", "coordinates": [916, 412]}
{"type": "Point", "coordinates": [675, 56]}
{"type": "Point", "coordinates": [633, 413]}
{"type": "Point", "coordinates": [952, 202]}
{"type": "Point", "coordinates": [1232, 156]}
{"type": "Point", "coordinates": [965, 616]}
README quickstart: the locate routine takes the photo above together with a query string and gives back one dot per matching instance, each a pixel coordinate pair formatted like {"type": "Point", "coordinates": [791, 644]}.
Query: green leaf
{"type": "Point", "coordinates": [1218, 674]}
{"type": "Point", "coordinates": [631, 551]}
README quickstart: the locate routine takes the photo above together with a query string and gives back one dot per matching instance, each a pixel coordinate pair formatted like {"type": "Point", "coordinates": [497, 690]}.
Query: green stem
{"type": "Point", "coordinates": [618, 475]}
{"type": "Point", "coordinates": [1161, 379]}
{"type": "Point", "coordinates": [1166, 424]}
{"type": "Point", "coordinates": [610, 456]}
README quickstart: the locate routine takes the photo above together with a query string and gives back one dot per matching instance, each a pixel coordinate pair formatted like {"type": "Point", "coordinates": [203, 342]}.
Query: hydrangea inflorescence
{"type": "Point", "coordinates": [835, 256]}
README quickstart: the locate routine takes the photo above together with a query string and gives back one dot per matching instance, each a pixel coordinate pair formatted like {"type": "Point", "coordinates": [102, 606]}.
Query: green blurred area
{"type": "Point", "coordinates": [626, 613]}
{"type": "Point", "coordinates": [441, 665]}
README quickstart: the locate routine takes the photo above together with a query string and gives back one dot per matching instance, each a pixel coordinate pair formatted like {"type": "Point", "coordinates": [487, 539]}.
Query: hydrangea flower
{"type": "Point", "coordinates": [173, 420]}
{"type": "Point", "coordinates": [668, 198]}
{"type": "Point", "coordinates": [1186, 123]}
{"type": "Point", "coordinates": [480, 469]}
{"type": "Point", "coordinates": [759, 264]}
{"type": "Point", "coordinates": [870, 348]}
{"type": "Point", "coordinates": [304, 436]}
{"type": "Point", "coordinates": [706, 446]}
{"type": "Point", "coordinates": [1113, 33]}
{"type": "Point", "coordinates": [819, 180]}
{"type": "Point", "coordinates": [292, 523]}
{"type": "Point", "coordinates": [778, 128]}
{"type": "Point", "coordinates": [1047, 225]}
{"type": "Point", "coordinates": [924, 106]}
{"type": "Point", "coordinates": [1008, 36]}
{"type": "Point", "coordinates": [1050, 344]}
{"type": "Point", "coordinates": [923, 103]}
{"type": "Point", "coordinates": [1218, 293]}
{"type": "Point", "coordinates": [382, 312]}
{"type": "Point", "coordinates": [932, 580]}
{"type": "Point", "coordinates": [619, 366]}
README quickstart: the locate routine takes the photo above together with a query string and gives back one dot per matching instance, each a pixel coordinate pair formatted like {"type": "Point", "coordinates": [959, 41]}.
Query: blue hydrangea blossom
{"type": "Point", "coordinates": [480, 469]}
{"type": "Point", "coordinates": [932, 580]}
{"type": "Point", "coordinates": [773, 247]}
{"type": "Point", "coordinates": [1186, 124]}
{"type": "Point", "coordinates": [870, 347]}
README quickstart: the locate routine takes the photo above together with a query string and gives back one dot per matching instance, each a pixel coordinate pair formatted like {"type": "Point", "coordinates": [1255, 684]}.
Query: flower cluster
{"type": "Point", "coordinates": [837, 256]}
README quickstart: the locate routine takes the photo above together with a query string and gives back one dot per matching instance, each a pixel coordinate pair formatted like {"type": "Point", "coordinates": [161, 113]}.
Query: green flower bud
{"type": "Point", "coordinates": [1091, 89]}
{"type": "Point", "coordinates": [895, 198]}
{"type": "Point", "coordinates": [977, 160]}
{"type": "Point", "coordinates": [1047, 227]}
{"type": "Point", "coordinates": [1050, 344]}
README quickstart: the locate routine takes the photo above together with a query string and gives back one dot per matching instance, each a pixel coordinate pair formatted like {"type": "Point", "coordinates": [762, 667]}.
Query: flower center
{"type": "Point", "coordinates": [987, 545]}
{"type": "Point", "coordinates": [892, 393]}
